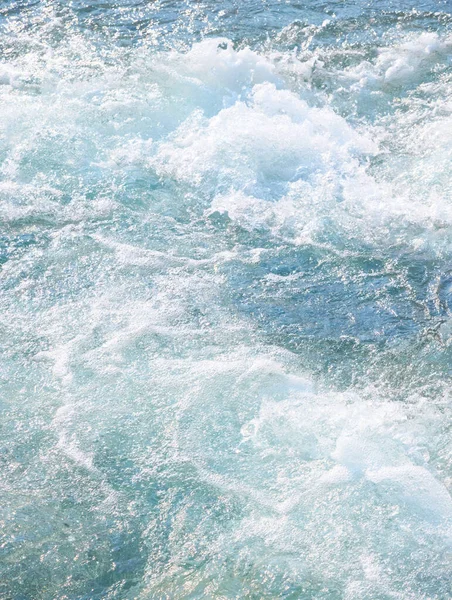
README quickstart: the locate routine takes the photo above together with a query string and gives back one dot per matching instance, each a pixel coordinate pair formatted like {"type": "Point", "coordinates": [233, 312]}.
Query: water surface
{"type": "Point", "coordinates": [225, 293]}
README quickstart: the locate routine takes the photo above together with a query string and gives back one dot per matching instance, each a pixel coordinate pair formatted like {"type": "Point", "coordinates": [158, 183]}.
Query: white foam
{"type": "Point", "coordinates": [214, 63]}
{"type": "Point", "coordinates": [274, 137]}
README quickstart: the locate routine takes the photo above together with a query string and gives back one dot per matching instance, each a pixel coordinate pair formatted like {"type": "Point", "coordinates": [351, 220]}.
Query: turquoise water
{"type": "Point", "coordinates": [226, 294]}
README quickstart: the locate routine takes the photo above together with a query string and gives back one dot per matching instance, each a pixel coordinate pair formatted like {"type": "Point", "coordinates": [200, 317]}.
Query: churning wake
{"type": "Point", "coordinates": [225, 291]}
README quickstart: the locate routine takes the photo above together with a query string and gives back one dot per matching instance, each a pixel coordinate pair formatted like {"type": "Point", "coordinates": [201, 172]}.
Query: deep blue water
{"type": "Point", "coordinates": [226, 295]}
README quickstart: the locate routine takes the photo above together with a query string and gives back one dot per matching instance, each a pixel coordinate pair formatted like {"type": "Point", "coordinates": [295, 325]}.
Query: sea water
{"type": "Point", "coordinates": [225, 299]}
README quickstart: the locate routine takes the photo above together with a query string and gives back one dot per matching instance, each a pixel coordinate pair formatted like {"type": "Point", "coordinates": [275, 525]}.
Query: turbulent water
{"type": "Point", "coordinates": [225, 299]}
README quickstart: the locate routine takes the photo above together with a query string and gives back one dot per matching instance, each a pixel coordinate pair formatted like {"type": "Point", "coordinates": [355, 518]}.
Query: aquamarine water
{"type": "Point", "coordinates": [225, 300]}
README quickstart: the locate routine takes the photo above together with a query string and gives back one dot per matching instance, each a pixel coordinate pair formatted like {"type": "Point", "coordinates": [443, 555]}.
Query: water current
{"type": "Point", "coordinates": [225, 299]}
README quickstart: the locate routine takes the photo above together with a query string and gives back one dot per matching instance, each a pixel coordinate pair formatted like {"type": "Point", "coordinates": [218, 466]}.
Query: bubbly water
{"type": "Point", "coordinates": [226, 294]}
